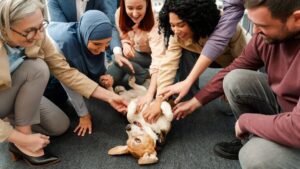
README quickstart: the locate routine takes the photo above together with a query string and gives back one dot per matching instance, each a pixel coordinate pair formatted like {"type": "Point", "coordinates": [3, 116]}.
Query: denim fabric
{"type": "Point", "coordinates": [248, 91]}
{"type": "Point", "coordinates": [141, 63]}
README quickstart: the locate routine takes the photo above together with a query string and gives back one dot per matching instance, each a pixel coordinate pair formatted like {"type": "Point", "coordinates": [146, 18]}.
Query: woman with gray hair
{"type": "Point", "coordinates": [26, 55]}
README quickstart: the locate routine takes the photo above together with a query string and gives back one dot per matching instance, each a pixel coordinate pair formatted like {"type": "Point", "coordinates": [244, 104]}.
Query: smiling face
{"type": "Point", "coordinates": [272, 29]}
{"type": "Point", "coordinates": [25, 26]}
{"type": "Point", "coordinates": [180, 28]}
{"type": "Point", "coordinates": [98, 46]}
{"type": "Point", "coordinates": [136, 10]}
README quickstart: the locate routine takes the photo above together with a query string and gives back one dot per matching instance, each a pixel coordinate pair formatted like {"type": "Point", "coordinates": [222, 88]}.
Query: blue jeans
{"type": "Point", "coordinates": [248, 91]}
{"type": "Point", "coordinates": [141, 63]}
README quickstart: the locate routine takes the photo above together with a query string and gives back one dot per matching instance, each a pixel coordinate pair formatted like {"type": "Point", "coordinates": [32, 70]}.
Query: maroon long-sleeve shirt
{"type": "Point", "coordinates": [282, 63]}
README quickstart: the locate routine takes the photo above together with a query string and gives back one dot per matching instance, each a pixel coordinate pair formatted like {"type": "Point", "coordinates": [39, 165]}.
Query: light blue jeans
{"type": "Point", "coordinates": [248, 91]}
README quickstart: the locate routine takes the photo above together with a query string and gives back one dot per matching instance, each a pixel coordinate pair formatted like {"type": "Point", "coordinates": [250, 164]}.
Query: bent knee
{"type": "Point", "coordinates": [60, 127]}
{"type": "Point", "coordinates": [253, 155]}
{"type": "Point", "coordinates": [37, 69]}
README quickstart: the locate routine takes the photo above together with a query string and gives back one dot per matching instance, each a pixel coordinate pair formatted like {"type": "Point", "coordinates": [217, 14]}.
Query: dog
{"type": "Point", "coordinates": [144, 137]}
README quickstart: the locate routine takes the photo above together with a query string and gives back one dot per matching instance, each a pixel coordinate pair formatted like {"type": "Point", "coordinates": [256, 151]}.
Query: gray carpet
{"type": "Point", "coordinates": [189, 144]}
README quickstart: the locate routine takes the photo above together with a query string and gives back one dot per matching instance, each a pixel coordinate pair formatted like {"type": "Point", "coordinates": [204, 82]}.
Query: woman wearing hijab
{"type": "Point", "coordinates": [26, 56]}
{"type": "Point", "coordinates": [83, 44]}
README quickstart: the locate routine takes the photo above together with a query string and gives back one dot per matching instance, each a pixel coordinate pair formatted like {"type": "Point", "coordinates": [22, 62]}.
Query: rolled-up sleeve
{"type": "Point", "coordinates": [169, 65]}
{"type": "Point", "coordinates": [156, 43]}
{"type": "Point", "coordinates": [218, 40]}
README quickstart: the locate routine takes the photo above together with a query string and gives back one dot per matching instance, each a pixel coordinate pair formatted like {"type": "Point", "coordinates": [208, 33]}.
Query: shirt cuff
{"type": "Point", "coordinates": [117, 50]}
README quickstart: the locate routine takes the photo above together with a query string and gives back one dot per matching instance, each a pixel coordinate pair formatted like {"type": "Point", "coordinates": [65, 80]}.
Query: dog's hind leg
{"type": "Point", "coordinates": [167, 110]}
{"type": "Point", "coordinates": [134, 86]}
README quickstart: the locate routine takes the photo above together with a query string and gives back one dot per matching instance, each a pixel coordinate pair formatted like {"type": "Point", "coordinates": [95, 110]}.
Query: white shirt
{"type": "Point", "coordinates": [80, 7]}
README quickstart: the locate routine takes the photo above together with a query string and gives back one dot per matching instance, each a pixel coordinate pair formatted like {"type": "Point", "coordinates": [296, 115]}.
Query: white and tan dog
{"type": "Point", "coordinates": [143, 137]}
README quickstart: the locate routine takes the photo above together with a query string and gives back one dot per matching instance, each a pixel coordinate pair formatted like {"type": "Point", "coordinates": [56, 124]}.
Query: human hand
{"type": "Point", "coordinates": [106, 81]}
{"type": "Point", "coordinates": [34, 142]}
{"type": "Point", "coordinates": [153, 111]}
{"type": "Point", "coordinates": [118, 103]}
{"type": "Point", "coordinates": [180, 88]}
{"type": "Point", "coordinates": [143, 101]}
{"type": "Point", "coordinates": [182, 109]}
{"type": "Point", "coordinates": [123, 61]}
{"type": "Point", "coordinates": [85, 125]}
{"type": "Point", "coordinates": [128, 51]}
{"type": "Point", "coordinates": [238, 132]}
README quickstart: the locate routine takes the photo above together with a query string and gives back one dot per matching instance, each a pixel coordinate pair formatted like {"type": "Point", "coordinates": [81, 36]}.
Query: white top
{"type": "Point", "coordinates": [80, 7]}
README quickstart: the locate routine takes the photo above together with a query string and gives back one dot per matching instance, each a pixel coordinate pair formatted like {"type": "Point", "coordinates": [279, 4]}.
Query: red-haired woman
{"type": "Point", "coordinates": [142, 45]}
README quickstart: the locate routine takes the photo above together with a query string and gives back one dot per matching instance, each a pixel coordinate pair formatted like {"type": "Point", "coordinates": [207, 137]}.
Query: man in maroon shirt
{"type": "Point", "coordinates": [267, 105]}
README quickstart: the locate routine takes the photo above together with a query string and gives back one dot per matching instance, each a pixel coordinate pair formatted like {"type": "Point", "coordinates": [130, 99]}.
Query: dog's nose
{"type": "Point", "coordinates": [128, 127]}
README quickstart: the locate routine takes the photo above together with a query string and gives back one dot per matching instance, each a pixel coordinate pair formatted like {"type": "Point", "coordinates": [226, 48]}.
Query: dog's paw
{"type": "Point", "coordinates": [148, 158]}
{"type": "Point", "coordinates": [167, 110]}
{"type": "Point", "coordinates": [120, 89]}
{"type": "Point", "coordinates": [131, 81]}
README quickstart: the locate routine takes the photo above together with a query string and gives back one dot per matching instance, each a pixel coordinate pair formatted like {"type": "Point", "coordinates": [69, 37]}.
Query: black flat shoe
{"type": "Point", "coordinates": [228, 150]}
{"type": "Point", "coordinates": [46, 159]}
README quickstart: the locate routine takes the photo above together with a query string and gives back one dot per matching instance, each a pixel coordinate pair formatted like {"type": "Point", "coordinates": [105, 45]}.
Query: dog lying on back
{"type": "Point", "coordinates": [143, 137]}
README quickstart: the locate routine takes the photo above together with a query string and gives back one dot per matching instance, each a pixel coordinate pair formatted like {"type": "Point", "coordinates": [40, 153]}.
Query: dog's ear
{"type": "Point", "coordinates": [118, 150]}
{"type": "Point", "coordinates": [148, 158]}
{"type": "Point", "coordinates": [161, 138]}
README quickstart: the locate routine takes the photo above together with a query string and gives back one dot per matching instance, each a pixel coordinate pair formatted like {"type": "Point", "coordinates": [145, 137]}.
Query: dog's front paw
{"type": "Point", "coordinates": [167, 110]}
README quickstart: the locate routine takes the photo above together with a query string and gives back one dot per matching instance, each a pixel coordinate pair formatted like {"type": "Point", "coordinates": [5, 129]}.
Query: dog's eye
{"type": "Point", "coordinates": [137, 140]}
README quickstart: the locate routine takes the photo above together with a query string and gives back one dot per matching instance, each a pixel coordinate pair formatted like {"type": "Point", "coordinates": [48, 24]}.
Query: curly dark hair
{"type": "Point", "coordinates": [202, 16]}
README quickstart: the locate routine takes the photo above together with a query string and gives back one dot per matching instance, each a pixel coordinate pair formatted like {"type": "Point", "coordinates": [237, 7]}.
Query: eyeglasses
{"type": "Point", "coordinates": [34, 31]}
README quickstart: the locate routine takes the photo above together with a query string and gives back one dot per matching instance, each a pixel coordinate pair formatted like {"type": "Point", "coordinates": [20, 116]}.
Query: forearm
{"type": "Point", "coordinates": [77, 101]}
{"type": "Point", "coordinates": [152, 87]}
{"type": "Point", "coordinates": [17, 138]}
{"type": "Point", "coordinates": [218, 40]}
{"type": "Point", "coordinates": [102, 94]}
{"type": "Point", "coordinates": [202, 63]}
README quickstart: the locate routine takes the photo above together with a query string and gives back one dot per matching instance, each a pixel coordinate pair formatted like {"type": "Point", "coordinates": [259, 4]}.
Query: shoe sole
{"type": "Point", "coordinates": [15, 157]}
{"type": "Point", "coordinates": [226, 155]}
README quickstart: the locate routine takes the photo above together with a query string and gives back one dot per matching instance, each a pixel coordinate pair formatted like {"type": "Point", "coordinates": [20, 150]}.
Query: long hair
{"type": "Point", "coordinates": [126, 23]}
{"type": "Point", "coordinates": [202, 16]}
{"type": "Point", "coordinates": [12, 11]}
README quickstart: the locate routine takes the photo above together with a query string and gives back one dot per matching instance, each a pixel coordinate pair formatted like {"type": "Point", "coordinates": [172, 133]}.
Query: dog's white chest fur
{"type": "Point", "coordinates": [162, 124]}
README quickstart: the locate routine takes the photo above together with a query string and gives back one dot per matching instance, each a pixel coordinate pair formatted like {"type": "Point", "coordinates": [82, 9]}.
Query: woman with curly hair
{"type": "Point", "coordinates": [186, 26]}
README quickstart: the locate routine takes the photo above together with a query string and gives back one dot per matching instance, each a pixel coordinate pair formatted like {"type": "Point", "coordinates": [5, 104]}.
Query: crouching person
{"type": "Point", "coordinates": [267, 106]}
{"type": "Point", "coordinates": [26, 56]}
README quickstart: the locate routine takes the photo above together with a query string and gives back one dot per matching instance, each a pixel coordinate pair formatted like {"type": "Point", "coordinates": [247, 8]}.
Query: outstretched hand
{"type": "Point", "coordinates": [180, 88]}
{"type": "Point", "coordinates": [153, 111]}
{"type": "Point", "coordinates": [118, 103]}
{"type": "Point", "coordinates": [128, 51]}
{"type": "Point", "coordinates": [143, 101]}
{"type": "Point", "coordinates": [106, 81]}
{"type": "Point", "coordinates": [182, 109]}
{"type": "Point", "coordinates": [123, 61]}
{"type": "Point", "coordinates": [85, 125]}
